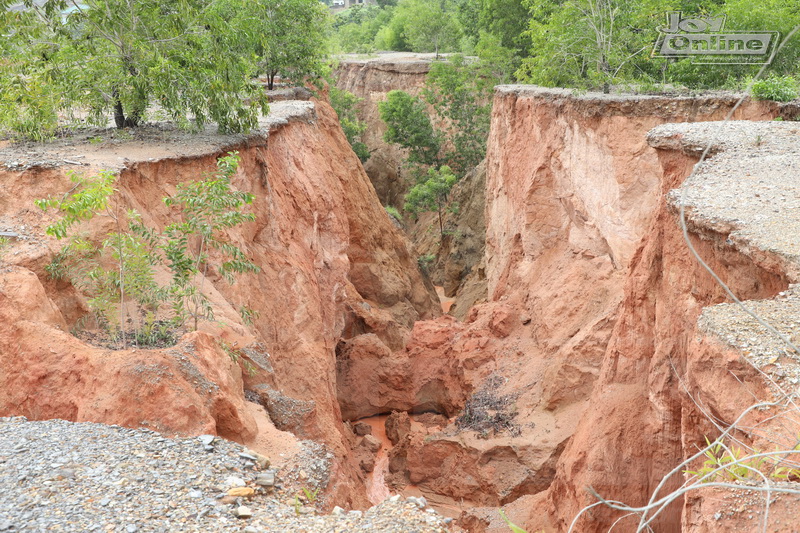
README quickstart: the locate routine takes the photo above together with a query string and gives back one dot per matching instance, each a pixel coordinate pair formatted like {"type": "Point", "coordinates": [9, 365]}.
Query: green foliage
{"type": "Point", "coordinates": [590, 43]}
{"type": "Point", "coordinates": [778, 88]}
{"type": "Point", "coordinates": [249, 316]}
{"type": "Point", "coordinates": [430, 25]}
{"type": "Point", "coordinates": [236, 357]}
{"type": "Point", "coordinates": [91, 197]}
{"type": "Point", "coordinates": [356, 28]}
{"type": "Point", "coordinates": [84, 263]}
{"type": "Point", "coordinates": [408, 26]}
{"type": "Point", "coordinates": [733, 464]}
{"type": "Point", "coordinates": [460, 93]}
{"type": "Point", "coordinates": [311, 496]}
{"type": "Point", "coordinates": [208, 208]}
{"type": "Point", "coordinates": [344, 102]}
{"type": "Point", "coordinates": [430, 195]}
{"type": "Point", "coordinates": [4, 244]}
{"type": "Point", "coordinates": [514, 528]}
{"type": "Point", "coordinates": [425, 261]}
{"type": "Point", "coordinates": [408, 124]}
{"type": "Point", "coordinates": [288, 37]}
{"type": "Point", "coordinates": [118, 56]}
{"type": "Point", "coordinates": [393, 212]}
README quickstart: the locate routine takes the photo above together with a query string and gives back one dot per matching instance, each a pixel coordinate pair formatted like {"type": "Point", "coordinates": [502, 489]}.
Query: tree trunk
{"type": "Point", "coordinates": [120, 120]}
{"type": "Point", "coordinates": [119, 114]}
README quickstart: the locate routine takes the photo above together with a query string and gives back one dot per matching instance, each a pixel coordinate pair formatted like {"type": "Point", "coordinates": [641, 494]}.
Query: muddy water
{"type": "Point", "coordinates": [446, 302]}
{"type": "Point", "coordinates": [377, 491]}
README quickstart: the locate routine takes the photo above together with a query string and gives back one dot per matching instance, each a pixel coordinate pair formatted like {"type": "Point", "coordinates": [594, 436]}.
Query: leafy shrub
{"type": "Point", "coordinates": [208, 208]}
{"type": "Point", "coordinates": [120, 270]}
{"type": "Point", "coordinates": [344, 102]}
{"type": "Point", "coordinates": [85, 263]}
{"type": "Point", "coordinates": [431, 193]}
{"type": "Point", "coordinates": [408, 124]}
{"type": "Point", "coordinates": [778, 88]}
{"type": "Point", "coordinates": [393, 212]}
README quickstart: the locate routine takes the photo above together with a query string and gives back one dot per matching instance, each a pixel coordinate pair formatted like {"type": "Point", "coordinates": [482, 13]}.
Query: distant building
{"type": "Point", "coordinates": [341, 5]}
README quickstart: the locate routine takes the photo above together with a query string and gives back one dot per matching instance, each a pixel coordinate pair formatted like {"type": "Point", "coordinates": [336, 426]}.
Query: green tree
{"type": "Point", "coordinates": [461, 93]}
{"type": "Point", "coordinates": [344, 102]}
{"type": "Point", "coordinates": [431, 25]}
{"type": "Point", "coordinates": [122, 56]}
{"type": "Point", "coordinates": [430, 195]}
{"type": "Point", "coordinates": [591, 43]}
{"type": "Point", "coordinates": [208, 208]}
{"type": "Point", "coordinates": [289, 37]}
{"type": "Point", "coordinates": [84, 263]}
{"type": "Point", "coordinates": [408, 124]}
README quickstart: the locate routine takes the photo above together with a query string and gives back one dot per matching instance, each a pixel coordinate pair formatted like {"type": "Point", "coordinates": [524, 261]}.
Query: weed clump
{"type": "Point", "coordinates": [489, 413]}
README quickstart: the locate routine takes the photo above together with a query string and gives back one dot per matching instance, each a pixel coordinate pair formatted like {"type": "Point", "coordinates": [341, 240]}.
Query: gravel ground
{"type": "Point", "coordinates": [64, 476]}
{"type": "Point", "coordinates": [749, 190]}
{"type": "Point", "coordinates": [749, 187]}
{"type": "Point", "coordinates": [115, 149]}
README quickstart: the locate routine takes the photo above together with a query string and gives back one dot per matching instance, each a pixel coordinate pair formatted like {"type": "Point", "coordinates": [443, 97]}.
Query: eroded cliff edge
{"type": "Point", "coordinates": [333, 267]}
{"type": "Point", "coordinates": [662, 378]}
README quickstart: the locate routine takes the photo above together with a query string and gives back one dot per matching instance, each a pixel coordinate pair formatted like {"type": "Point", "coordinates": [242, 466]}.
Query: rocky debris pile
{"type": "Point", "coordinates": [762, 347]}
{"type": "Point", "coordinates": [65, 476]}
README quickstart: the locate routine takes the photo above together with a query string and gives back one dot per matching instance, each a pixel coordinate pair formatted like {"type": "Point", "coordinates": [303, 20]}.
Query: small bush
{"type": "Point", "coordinates": [489, 413]}
{"type": "Point", "coordinates": [778, 88]}
{"type": "Point", "coordinates": [394, 213]}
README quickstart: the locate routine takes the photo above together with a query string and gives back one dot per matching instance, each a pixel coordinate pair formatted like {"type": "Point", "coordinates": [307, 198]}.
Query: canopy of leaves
{"type": "Point", "coordinates": [431, 25]}
{"type": "Point", "coordinates": [193, 60]}
{"type": "Point", "coordinates": [431, 193]}
{"type": "Point", "coordinates": [592, 43]}
{"type": "Point", "coordinates": [461, 93]}
{"type": "Point", "coordinates": [344, 102]}
{"type": "Point", "coordinates": [408, 124]}
{"type": "Point", "coordinates": [288, 37]}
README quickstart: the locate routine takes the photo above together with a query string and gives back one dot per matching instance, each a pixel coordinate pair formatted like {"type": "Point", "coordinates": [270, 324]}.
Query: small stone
{"type": "Point", "coordinates": [262, 461]}
{"type": "Point", "coordinates": [131, 528]}
{"type": "Point", "coordinates": [206, 439]}
{"type": "Point", "coordinates": [105, 501]}
{"type": "Point", "coordinates": [247, 455]}
{"type": "Point", "coordinates": [371, 443]}
{"type": "Point", "coordinates": [395, 498]}
{"type": "Point", "coordinates": [195, 494]}
{"type": "Point", "coordinates": [251, 529]}
{"type": "Point", "coordinates": [267, 479]}
{"type": "Point", "coordinates": [241, 492]}
{"type": "Point", "coordinates": [355, 514]}
{"type": "Point", "coordinates": [362, 428]}
{"type": "Point", "coordinates": [233, 481]}
{"type": "Point", "coordinates": [242, 512]}
{"type": "Point", "coordinates": [338, 511]}
{"type": "Point", "coordinates": [5, 525]}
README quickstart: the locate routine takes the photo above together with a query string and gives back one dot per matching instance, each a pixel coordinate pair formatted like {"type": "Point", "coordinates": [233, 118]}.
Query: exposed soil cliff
{"type": "Point", "coordinates": [333, 267]}
{"type": "Point", "coordinates": [650, 363]}
{"type": "Point", "coordinates": [573, 190]}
